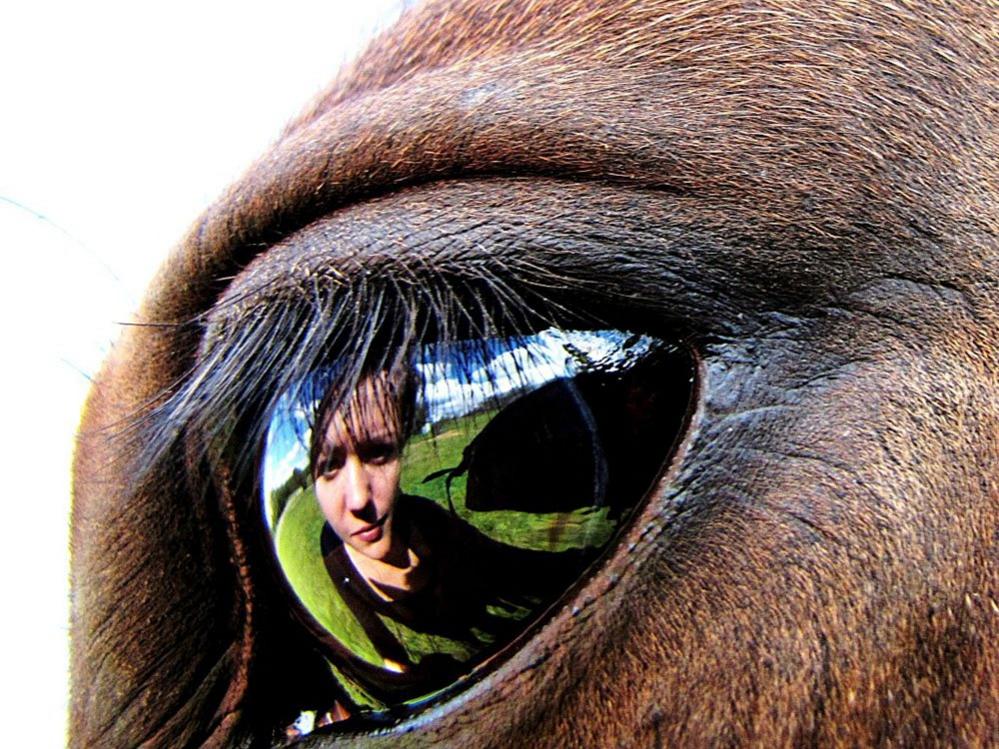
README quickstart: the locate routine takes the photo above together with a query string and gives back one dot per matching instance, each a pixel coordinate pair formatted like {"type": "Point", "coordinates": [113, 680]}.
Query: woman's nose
{"type": "Point", "coordinates": [358, 488]}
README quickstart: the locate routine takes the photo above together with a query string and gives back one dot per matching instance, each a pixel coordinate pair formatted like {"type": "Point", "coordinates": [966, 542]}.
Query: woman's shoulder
{"type": "Point", "coordinates": [438, 523]}
{"type": "Point", "coordinates": [433, 520]}
{"type": "Point", "coordinates": [329, 541]}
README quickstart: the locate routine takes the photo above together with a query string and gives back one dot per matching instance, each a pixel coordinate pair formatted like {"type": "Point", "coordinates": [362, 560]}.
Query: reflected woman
{"type": "Point", "coordinates": [430, 596]}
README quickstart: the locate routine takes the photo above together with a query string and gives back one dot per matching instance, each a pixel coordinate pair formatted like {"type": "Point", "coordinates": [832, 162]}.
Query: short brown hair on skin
{"type": "Point", "coordinates": [805, 191]}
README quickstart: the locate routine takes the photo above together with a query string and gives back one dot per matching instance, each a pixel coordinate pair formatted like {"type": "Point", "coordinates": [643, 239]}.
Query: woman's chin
{"type": "Point", "coordinates": [376, 547]}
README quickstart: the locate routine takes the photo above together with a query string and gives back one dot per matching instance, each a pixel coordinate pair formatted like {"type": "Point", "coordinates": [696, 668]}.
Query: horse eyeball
{"type": "Point", "coordinates": [426, 517]}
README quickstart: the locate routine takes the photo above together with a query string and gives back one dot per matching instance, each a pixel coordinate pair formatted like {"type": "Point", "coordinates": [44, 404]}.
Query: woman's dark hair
{"type": "Point", "coordinates": [394, 394]}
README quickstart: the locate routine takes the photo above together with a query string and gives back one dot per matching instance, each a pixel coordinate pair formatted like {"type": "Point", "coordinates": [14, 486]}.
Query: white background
{"type": "Point", "coordinates": [119, 123]}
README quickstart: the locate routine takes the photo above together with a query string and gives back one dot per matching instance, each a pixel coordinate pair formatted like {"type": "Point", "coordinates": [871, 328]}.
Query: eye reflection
{"type": "Point", "coordinates": [427, 514]}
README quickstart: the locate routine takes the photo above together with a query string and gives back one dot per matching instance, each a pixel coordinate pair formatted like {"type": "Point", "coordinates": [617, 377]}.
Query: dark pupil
{"type": "Point", "coordinates": [510, 489]}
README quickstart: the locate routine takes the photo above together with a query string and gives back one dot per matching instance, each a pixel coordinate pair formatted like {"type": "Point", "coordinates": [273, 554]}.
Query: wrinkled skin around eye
{"type": "Point", "coordinates": [804, 192]}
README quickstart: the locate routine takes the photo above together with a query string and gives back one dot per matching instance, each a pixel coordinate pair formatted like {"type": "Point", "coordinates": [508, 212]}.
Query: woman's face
{"type": "Point", "coordinates": [357, 479]}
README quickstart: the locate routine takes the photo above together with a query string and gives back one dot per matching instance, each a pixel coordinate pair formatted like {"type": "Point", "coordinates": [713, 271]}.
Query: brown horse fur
{"type": "Point", "coordinates": [805, 191]}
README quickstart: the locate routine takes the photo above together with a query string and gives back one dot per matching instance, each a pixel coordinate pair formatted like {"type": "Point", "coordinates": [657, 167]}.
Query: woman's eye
{"type": "Point", "coordinates": [331, 464]}
{"type": "Point", "coordinates": [379, 453]}
{"type": "Point", "coordinates": [523, 459]}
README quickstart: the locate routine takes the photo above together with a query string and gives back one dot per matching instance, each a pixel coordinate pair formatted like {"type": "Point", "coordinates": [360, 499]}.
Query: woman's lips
{"type": "Point", "coordinates": [371, 533]}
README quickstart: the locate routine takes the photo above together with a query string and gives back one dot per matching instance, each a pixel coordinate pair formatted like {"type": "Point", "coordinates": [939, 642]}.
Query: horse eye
{"type": "Point", "coordinates": [524, 460]}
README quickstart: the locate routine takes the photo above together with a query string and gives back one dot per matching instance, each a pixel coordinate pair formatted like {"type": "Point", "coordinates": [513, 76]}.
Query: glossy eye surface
{"type": "Point", "coordinates": [427, 515]}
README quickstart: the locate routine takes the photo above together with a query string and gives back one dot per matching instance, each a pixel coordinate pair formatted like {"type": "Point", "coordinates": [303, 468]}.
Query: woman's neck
{"type": "Point", "coordinates": [391, 581]}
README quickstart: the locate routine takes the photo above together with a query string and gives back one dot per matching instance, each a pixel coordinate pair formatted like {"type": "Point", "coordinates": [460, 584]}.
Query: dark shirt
{"type": "Point", "coordinates": [477, 597]}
